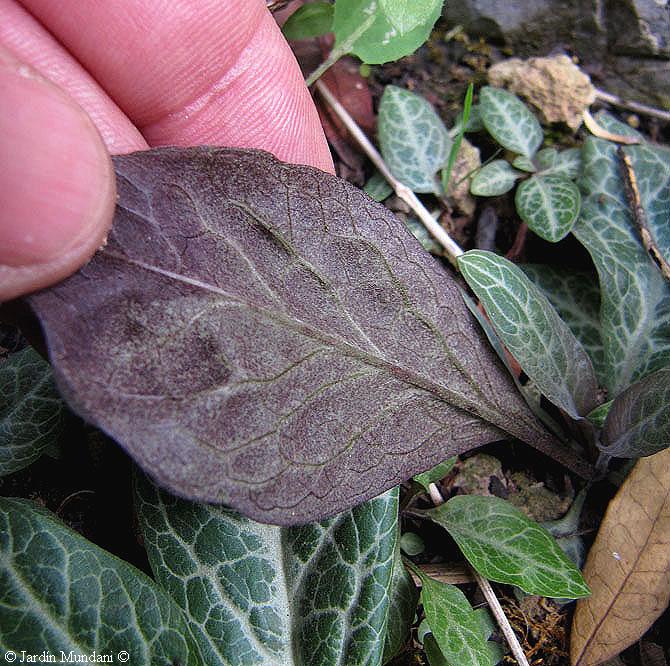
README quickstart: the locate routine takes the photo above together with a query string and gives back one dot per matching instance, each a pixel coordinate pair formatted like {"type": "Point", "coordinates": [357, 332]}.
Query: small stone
{"type": "Point", "coordinates": [554, 85]}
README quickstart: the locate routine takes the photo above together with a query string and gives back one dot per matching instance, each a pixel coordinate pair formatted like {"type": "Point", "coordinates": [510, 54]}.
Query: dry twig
{"type": "Point", "coordinates": [452, 249]}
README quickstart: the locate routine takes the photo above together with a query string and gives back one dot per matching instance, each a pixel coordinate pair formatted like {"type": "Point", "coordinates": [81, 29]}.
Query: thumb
{"type": "Point", "coordinates": [56, 182]}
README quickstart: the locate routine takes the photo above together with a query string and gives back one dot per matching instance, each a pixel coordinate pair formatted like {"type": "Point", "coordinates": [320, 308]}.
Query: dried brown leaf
{"type": "Point", "coordinates": [628, 568]}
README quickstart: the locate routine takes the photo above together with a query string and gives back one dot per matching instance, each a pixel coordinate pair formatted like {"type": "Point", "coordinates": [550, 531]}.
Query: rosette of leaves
{"type": "Point", "coordinates": [547, 198]}
{"type": "Point", "coordinates": [623, 329]}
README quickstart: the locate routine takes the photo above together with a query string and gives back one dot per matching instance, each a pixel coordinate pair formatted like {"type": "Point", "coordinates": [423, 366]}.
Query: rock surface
{"type": "Point", "coordinates": [625, 44]}
{"type": "Point", "coordinates": [555, 86]}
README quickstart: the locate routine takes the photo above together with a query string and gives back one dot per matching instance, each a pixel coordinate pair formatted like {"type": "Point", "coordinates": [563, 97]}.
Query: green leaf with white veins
{"type": "Point", "coordinates": [503, 545]}
{"type": "Point", "coordinates": [549, 205]}
{"type": "Point", "coordinates": [455, 626]}
{"type": "Point", "coordinates": [509, 121]}
{"type": "Point", "coordinates": [413, 139]}
{"type": "Point", "coordinates": [408, 14]}
{"type": "Point", "coordinates": [576, 297]}
{"type": "Point", "coordinates": [31, 410]}
{"type": "Point", "coordinates": [533, 332]}
{"type": "Point", "coordinates": [315, 595]}
{"type": "Point", "coordinates": [635, 309]}
{"type": "Point", "coordinates": [567, 163]}
{"type": "Point", "coordinates": [61, 592]}
{"type": "Point", "coordinates": [494, 179]}
{"type": "Point", "coordinates": [362, 27]}
{"type": "Point", "coordinates": [638, 422]}
{"type": "Point", "coordinates": [403, 598]}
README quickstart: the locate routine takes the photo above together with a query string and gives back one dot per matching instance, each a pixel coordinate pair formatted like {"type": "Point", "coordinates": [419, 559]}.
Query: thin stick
{"type": "Point", "coordinates": [638, 213]}
{"type": "Point", "coordinates": [595, 129]}
{"type": "Point", "coordinates": [500, 617]}
{"type": "Point", "coordinates": [490, 596]}
{"type": "Point", "coordinates": [652, 111]}
{"type": "Point", "coordinates": [451, 248]}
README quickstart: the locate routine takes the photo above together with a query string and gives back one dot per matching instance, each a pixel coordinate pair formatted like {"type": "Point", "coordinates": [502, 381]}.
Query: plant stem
{"type": "Point", "coordinates": [500, 617]}
{"type": "Point", "coordinates": [604, 96]}
{"type": "Point", "coordinates": [340, 50]}
{"type": "Point", "coordinates": [451, 248]}
{"type": "Point", "coordinates": [334, 56]}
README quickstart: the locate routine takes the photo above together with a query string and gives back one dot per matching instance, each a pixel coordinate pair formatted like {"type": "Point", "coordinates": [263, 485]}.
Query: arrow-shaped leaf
{"type": "Point", "coordinates": [265, 336]}
{"type": "Point", "coordinates": [576, 297]}
{"type": "Point", "coordinates": [258, 594]}
{"type": "Point", "coordinates": [635, 310]}
{"type": "Point", "coordinates": [455, 626]}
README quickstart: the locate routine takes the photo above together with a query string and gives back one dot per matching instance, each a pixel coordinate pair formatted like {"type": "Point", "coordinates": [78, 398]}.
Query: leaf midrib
{"type": "Point", "coordinates": [399, 372]}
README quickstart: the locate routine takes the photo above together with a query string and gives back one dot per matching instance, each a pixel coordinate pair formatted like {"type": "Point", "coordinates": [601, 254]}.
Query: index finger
{"type": "Point", "coordinates": [195, 71]}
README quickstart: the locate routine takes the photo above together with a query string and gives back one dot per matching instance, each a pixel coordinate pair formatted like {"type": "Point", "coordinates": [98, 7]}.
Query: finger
{"type": "Point", "coordinates": [195, 71]}
{"type": "Point", "coordinates": [30, 43]}
{"type": "Point", "coordinates": [56, 182]}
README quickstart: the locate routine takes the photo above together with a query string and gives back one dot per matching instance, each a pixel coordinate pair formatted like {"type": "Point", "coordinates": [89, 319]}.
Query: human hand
{"type": "Point", "coordinates": [81, 79]}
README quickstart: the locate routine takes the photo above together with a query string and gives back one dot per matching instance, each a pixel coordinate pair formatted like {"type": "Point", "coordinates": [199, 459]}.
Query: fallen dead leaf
{"type": "Point", "coordinates": [628, 567]}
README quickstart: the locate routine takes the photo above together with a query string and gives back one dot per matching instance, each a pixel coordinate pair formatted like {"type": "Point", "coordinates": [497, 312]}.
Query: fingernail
{"type": "Point", "coordinates": [54, 170]}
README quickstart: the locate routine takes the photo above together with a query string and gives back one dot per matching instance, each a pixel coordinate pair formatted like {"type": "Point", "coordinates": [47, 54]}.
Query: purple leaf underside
{"type": "Point", "coordinates": [266, 336]}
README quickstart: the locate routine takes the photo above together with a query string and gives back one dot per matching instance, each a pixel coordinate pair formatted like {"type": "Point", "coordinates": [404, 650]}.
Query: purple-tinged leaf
{"type": "Point", "coordinates": [266, 336]}
{"type": "Point", "coordinates": [638, 422]}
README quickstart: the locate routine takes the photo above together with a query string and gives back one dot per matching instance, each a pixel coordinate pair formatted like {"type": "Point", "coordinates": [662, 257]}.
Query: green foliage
{"type": "Point", "coordinates": [317, 594]}
{"type": "Point", "coordinates": [411, 544]}
{"type": "Point", "coordinates": [635, 306]}
{"type": "Point", "coordinates": [566, 530]}
{"type": "Point", "coordinates": [567, 163]}
{"type": "Point", "coordinates": [60, 592]}
{"type": "Point", "coordinates": [377, 187]}
{"type": "Point", "coordinates": [364, 28]}
{"type": "Point", "coordinates": [549, 205]}
{"type": "Point", "coordinates": [524, 163]}
{"type": "Point", "coordinates": [509, 121]}
{"type": "Point", "coordinates": [436, 473]}
{"type": "Point", "coordinates": [310, 20]}
{"type": "Point", "coordinates": [576, 297]}
{"type": "Point", "coordinates": [413, 140]}
{"type": "Point", "coordinates": [502, 544]}
{"type": "Point", "coordinates": [456, 628]}
{"type": "Point", "coordinates": [533, 332]}
{"type": "Point", "coordinates": [638, 421]}
{"type": "Point", "coordinates": [31, 410]}
{"type": "Point", "coordinates": [494, 179]}
{"type": "Point", "coordinates": [453, 153]}
{"type": "Point", "coordinates": [405, 15]}
{"type": "Point", "coordinates": [403, 598]}
{"type": "Point", "coordinates": [547, 200]}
